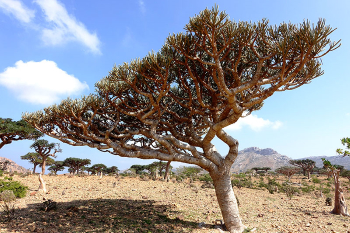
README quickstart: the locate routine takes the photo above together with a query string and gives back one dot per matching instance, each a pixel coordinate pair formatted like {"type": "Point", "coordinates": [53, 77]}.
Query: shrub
{"type": "Point", "coordinates": [7, 196]}
{"type": "Point", "coordinates": [289, 190]}
{"type": "Point", "coordinates": [17, 188]}
{"type": "Point", "coordinates": [316, 180]}
{"type": "Point", "coordinates": [308, 188]}
{"type": "Point", "coordinates": [243, 182]}
{"type": "Point", "coordinates": [206, 178]}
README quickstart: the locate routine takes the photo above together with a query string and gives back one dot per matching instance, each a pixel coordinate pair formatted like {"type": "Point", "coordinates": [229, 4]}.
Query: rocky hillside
{"type": "Point", "coordinates": [338, 160]}
{"type": "Point", "coordinates": [14, 166]}
{"type": "Point", "coordinates": [256, 157]}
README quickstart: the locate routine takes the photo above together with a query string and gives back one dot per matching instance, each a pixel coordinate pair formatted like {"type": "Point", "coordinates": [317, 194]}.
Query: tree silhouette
{"type": "Point", "coordinates": [306, 164]}
{"type": "Point", "coordinates": [44, 150]}
{"type": "Point", "coordinates": [170, 105]}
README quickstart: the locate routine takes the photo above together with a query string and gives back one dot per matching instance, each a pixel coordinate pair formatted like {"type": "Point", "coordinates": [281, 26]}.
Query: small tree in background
{"type": "Point", "coordinates": [306, 164]}
{"type": "Point", "coordinates": [16, 130]}
{"type": "Point", "coordinates": [98, 168]}
{"type": "Point", "coordinates": [33, 158]}
{"type": "Point", "coordinates": [44, 150]}
{"type": "Point", "coordinates": [113, 170]}
{"type": "Point", "coordinates": [288, 171]}
{"type": "Point", "coordinates": [339, 200]}
{"type": "Point", "coordinates": [138, 168]}
{"type": "Point", "coordinates": [75, 164]}
{"type": "Point", "coordinates": [56, 167]}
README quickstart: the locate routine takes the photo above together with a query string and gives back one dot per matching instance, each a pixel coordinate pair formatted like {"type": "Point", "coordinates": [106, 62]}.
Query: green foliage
{"type": "Point", "coordinates": [346, 143]}
{"type": "Point", "coordinates": [16, 130]}
{"type": "Point", "coordinates": [243, 182]}
{"type": "Point", "coordinates": [76, 164]}
{"type": "Point", "coordinates": [56, 167]}
{"type": "Point", "coordinates": [206, 178]}
{"type": "Point", "coordinates": [289, 190]}
{"type": "Point", "coordinates": [315, 180]}
{"type": "Point", "coordinates": [308, 188]}
{"type": "Point", "coordinates": [17, 188]}
{"type": "Point", "coordinates": [188, 172]}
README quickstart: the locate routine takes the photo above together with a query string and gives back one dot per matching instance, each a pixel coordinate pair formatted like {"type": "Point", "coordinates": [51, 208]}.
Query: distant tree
{"type": "Point", "coordinates": [139, 168]}
{"type": "Point", "coordinates": [45, 149]}
{"type": "Point", "coordinates": [98, 168]}
{"type": "Point", "coordinates": [16, 130]}
{"type": "Point", "coordinates": [346, 143]}
{"type": "Point", "coordinates": [33, 158]}
{"type": "Point", "coordinates": [76, 164]}
{"type": "Point", "coordinates": [345, 173]}
{"type": "Point", "coordinates": [339, 200]}
{"type": "Point", "coordinates": [171, 105]}
{"type": "Point", "coordinates": [288, 171]}
{"type": "Point", "coordinates": [112, 170]}
{"type": "Point", "coordinates": [266, 169]}
{"type": "Point", "coordinates": [56, 167]}
{"type": "Point", "coordinates": [306, 164]}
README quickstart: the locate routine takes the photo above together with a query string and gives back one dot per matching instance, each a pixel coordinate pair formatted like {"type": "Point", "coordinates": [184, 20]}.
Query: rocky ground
{"type": "Point", "coordinates": [91, 204]}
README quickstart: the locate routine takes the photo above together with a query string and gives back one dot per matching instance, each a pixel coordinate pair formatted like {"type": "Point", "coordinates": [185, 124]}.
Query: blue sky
{"type": "Point", "coordinates": [54, 49]}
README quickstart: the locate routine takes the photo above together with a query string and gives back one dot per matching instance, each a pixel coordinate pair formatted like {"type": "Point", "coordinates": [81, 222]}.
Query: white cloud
{"type": "Point", "coordinates": [40, 82]}
{"type": "Point", "coordinates": [142, 6]}
{"type": "Point", "coordinates": [255, 123]}
{"type": "Point", "coordinates": [65, 27]}
{"type": "Point", "coordinates": [17, 9]}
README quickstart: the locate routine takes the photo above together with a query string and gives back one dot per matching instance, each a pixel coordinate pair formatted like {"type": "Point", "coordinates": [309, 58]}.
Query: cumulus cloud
{"type": "Point", "coordinates": [58, 28]}
{"type": "Point", "coordinates": [255, 123]}
{"type": "Point", "coordinates": [40, 82]}
{"type": "Point", "coordinates": [65, 27]}
{"type": "Point", "coordinates": [17, 9]}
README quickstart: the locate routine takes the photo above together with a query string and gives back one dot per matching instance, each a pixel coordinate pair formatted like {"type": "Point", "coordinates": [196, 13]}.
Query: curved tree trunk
{"type": "Point", "coordinates": [42, 186]}
{"type": "Point", "coordinates": [339, 200]}
{"type": "Point", "coordinates": [166, 175]}
{"type": "Point", "coordinates": [308, 175]}
{"type": "Point", "coordinates": [227, 202]}
{"type": "Point", "coordinates": [34, 168]}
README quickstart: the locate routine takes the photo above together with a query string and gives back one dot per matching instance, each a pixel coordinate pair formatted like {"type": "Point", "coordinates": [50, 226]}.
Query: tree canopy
{"type": "Point", "coordinates": [76, 163]}
{"type": "Point", "coordinates": [170, 105]}
{"type": "Point", "coordinates": [44, 150]}
{"type": "Point", "coordinates": [306, 164]}
{"type": "Point", "coordinates": [16, 130]}
{"type": "Point", "coordinates": [346, 143]}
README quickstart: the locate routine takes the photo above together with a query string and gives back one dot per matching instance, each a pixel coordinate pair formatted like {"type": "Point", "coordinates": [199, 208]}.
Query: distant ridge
{"type": "Point", "coordinates": [14, 166]}
{"type": "Point", "coordinates": [256, 157]}
{"type": "Point", "coordinates": [337, 160]}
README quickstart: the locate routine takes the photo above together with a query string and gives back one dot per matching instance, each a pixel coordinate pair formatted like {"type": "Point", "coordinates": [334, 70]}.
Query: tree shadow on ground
{"type": "Point", "coordinates": [99, 215]}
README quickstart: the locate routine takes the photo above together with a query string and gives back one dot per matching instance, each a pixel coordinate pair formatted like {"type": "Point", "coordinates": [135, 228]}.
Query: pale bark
{"type": "Point", "coordinates": [42, 186]}
{"type": "Point", "coordinates": [166, 175]}
{"type": "Point", "coordinates": [227, 202]}
{"type": "Point", "coordinates": [339, 200]}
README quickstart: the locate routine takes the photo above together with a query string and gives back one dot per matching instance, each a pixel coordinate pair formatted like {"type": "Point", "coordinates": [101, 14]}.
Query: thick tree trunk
{"type": "Point", "coordinates": [42, 186]}
{"type": "Point", "coordinates": [166, 175]}
{"type": "Point", "coordinates": [339, 200]}
{"type": "Point", "coordinates": [308, 175]}
{"type": "Point", "coordinates": [43, 166]}
{"type": "Point", "coordinates": [228, 203]}
{"type": "Point", "coordinates": [34, 168]}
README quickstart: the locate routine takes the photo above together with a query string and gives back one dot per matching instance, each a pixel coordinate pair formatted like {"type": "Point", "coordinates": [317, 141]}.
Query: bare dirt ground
{"type": "Point", "coordinates": [91, 204]}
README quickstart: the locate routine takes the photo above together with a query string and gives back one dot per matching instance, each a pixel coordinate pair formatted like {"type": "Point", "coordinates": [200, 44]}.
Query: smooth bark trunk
{"type": "Point", "coordinates": [34, 168]}
{"type": "Point", "coordinates": [308, 175]}
{"type": "Point", "coordinates": [166, 175]}
{"type": "Point", "coordinates": [228, 203]}
{"type": "Point", "coordinates": [42, 186]}
{"type": "Point", "coordinates": [43, 166]}
{"type": "Point", "coordinates": [339, 200]}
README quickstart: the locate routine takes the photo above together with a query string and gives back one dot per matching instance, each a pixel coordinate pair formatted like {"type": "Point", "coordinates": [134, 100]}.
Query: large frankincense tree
{"type": "Point", "coordinates": [170, 105]}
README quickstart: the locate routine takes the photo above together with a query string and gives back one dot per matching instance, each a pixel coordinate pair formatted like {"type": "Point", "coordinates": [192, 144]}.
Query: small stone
{"type": "Point", "coordinates": [201, 225]}
{"type": "Point", "coordinates": [308, 224]}
{"type": "Point", "coordinates": [329, 223]}
{"type": "Point", "coordinates": [32, 193]}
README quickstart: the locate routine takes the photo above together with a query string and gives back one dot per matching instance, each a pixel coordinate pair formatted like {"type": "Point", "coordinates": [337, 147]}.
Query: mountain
{"type": "Point", "coordinates": [256, 157]}
{"type": "Point", "coordinates": [337, 160]}
{"type": "Point", "coordinates": [14, 166]}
